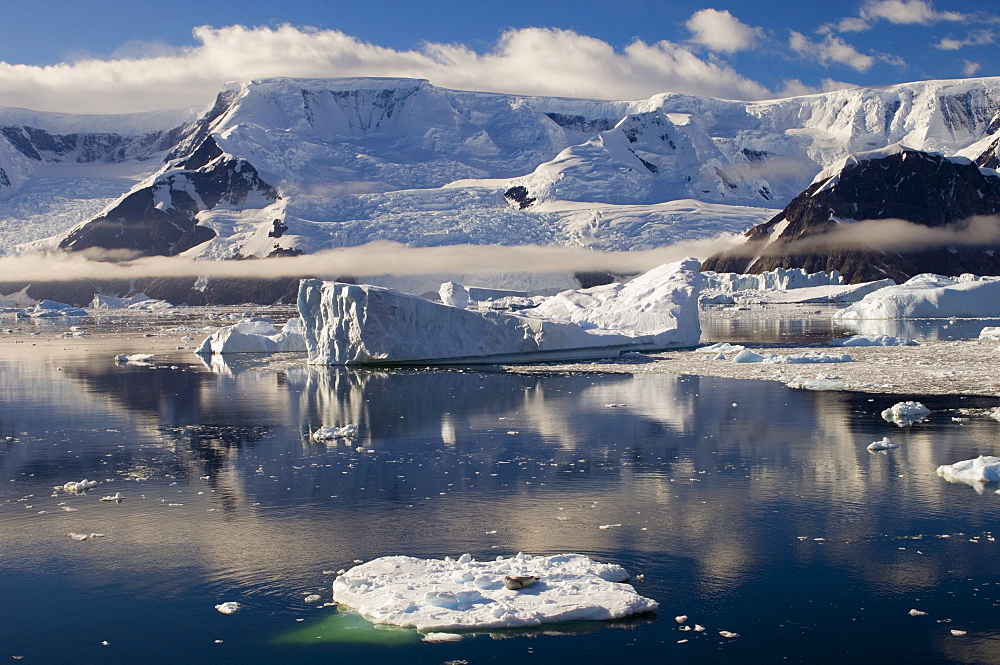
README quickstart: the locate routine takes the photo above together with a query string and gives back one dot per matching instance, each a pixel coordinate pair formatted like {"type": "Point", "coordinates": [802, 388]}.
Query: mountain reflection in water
{"type": "Point", "coordinates": [748, 506]}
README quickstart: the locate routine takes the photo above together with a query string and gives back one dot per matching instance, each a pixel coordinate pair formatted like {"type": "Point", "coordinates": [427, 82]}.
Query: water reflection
{"type": "Point", "coordinates": [719, 491]}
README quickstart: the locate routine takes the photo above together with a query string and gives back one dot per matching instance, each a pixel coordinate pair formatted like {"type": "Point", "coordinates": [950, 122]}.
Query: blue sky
{"type": "Point", "coordinates": [116, 55]}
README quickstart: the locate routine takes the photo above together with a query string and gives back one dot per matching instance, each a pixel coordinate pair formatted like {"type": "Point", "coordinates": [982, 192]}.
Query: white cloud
{"type": "Point", "coordinates": [969, 68]}
{"type": "Point", "coordinates": [796, 88]}
{"type": "Point", "coordinates": [525, 61]}
{"type": "Point", "coordinates": [831, 49]}
{"type": "Point", "coordinates": [981, 38]}
{"type": "Point", "coordinates": [906, 12]}
{"type": "Point", "coordinates": [721, 31]}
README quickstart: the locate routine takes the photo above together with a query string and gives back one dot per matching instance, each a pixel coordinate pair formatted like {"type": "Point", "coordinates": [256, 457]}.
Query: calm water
{"type": "Point", "coordinates": [748, 506]}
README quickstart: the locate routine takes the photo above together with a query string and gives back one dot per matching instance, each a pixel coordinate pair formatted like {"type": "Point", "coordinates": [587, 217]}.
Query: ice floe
{"type": "Point", "coordinates": [465, 594]}
{"type": "Point", "coordinates": [748, 356]}
{"type": "Point", "coordinates": [906, 413]}
{"type": "Point", "coordinates": [332, 432]}
{"type": "Point", "coordinates": [135, 358]}
{"type": "Point", "coordinates": [983, 469]}
{"type": "Point", "coordinates": [873, 340]}
{"type": "Point", "coordinates": [77, 485]}
{"type": "Point", "coordinates": [929, 296]}
{"type": "Point", "coordinates": [229, 607]}
{"type": "Point", "coordinates": [256, 336]}
{"type": "Point", "coordinates": [884, 444]}
{"type": "Point", "coordinates": [362, 324]}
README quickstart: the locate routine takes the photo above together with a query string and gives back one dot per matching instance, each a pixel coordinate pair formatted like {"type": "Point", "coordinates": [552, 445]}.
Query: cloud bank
{"type": "Point", "coordinates": [540, 61]}
{"type": "Point", "coordinates": [378, 258]}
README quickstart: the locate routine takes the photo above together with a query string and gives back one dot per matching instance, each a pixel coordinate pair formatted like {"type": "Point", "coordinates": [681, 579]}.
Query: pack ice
{"type": "Point", "coordinates": [457, 594]}
{"type": "Point", "coordinates": [347, 324]}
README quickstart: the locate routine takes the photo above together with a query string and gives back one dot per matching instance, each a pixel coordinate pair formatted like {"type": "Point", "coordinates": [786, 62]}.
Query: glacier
{"type": "Point", "coordinates": [350, 324]}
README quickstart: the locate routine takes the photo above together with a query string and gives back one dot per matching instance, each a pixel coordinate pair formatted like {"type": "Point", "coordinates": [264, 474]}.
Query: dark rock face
{"type": "Point", "coordinates": [159, 220]}
{"type": "Point", "coordinates": [519, 195]}
{"type": "Point", "coordinates": [923, 188]}
{"type": "Point", "coordinates": [40, 145]}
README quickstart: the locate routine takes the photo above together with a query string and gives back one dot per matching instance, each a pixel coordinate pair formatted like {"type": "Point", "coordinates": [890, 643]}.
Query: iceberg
{"type": "Point", "coordinates": [906, 413]}
{"type": "Point", "coordinates": [49, 309]}
{"type": "Point", "coordinates": [254, 337]}
{"type": "Point", "coordinates": [101, 301]}
{"type": "Point", "coordinates": [348, 324]}
{"type": "Point", "coordinates": [983, 469]}
{"type": "Point", "coordinates": [929, 296]}
{"type": "Point", "coordinates": [464, 594]}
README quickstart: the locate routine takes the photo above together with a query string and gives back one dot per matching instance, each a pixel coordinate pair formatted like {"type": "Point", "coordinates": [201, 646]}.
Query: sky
{"type": "Point", "coordinates": [116, 56]}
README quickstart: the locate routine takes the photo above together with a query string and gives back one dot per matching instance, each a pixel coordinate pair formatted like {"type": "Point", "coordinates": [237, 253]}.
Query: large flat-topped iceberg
{"type": "Point", "coordinates": [464, 594]}
{"type": "Point", "coordinates": [347, 324]}
{"type": "Point", "coordinates": [929, 296]}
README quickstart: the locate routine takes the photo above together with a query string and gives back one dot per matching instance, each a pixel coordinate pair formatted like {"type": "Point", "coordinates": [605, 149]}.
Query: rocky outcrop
{"type": "Point", "coordinates": [816, 230]}
{"type": "Point", "coordinates": [160, 218]}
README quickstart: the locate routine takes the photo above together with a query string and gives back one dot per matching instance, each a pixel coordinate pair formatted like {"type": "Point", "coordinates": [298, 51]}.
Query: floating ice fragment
{"type": "Point", "coordinates": [917, 613]}
{"type": "Point", "coordinates": [873, 340]}
{"type": "Point", "coordinates": [958, 633]}
{"type": "Point", "coordinates": [906, 413]}
{"type": "Point", "coordinates": [228, 607]}
{"type": "Point", "coordinates": [434, 595]}
{"type": "Point", "coordinates": [983, 469]}
{"type": "Point", "coordinates": [117, 497]}
{"type": "Point", "coordinates": [728, 634]}
{"type": "Point", "coordinates": [84, 536]}
{"type": "Point", "coordinates": [684, 628]}
{"type": "Point", "coordinates": [333, 432]}
{"type": "Point", "coordinates": [442, 637]}
{"type": "Point", "coordinates": [77, 486]}
{"type": "Point", "coordinates": [313, 598]}
{"type": "Point", "coordinates": [681, 618]}
{"type": "Point", "coordinates": [884, 444]}
{"type": "Point", "coordinates": [698, 628]}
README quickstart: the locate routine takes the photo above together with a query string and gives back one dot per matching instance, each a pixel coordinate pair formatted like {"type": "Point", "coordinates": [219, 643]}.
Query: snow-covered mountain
{"type": "Point", "coordinates": [284, 166]}
{"type": "Point", "coordinates": [894, 212]}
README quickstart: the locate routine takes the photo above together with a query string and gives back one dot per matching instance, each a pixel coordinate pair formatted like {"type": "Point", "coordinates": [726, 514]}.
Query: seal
{"type": "Point", "coordinates": [516, 583]}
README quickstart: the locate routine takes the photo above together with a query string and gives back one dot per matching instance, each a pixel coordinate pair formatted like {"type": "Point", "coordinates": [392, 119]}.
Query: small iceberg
{"type": "Point", "coordinates": [135, 358]}
{"type": "Point", "coordinates": [464, 594]}
{"type": "Point", "coordinates": [929, 296]}
{"type": "Point", "coordinates": [884, 444]}
{"type": "Point", "coordinates": [906, 413]}
{"type": "Point", "coordinates": [49, 309]}
{"type": "Point", "coordinates": [257, 336]}
{"type": "Point", "coordinates": [229, 607]}
{"type": "Point", "coordinates": [975, 472]}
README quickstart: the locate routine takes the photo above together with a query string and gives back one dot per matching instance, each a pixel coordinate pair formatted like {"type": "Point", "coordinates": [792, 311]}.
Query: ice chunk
{"type": "Point", "coordinates": [117, 497]}
{"type": "Point", "coordinates": [329, 433]}
{"type": "Point", "coordinates": [228, 607]}
{"type": "Point", "coordinates": [49, 309]}
{"type": "Point", "coordinates": [748, 356]}
{"type": "Point", "coordinates": [990, 332]}
{"type": "Point", "coordinates": [426, 594]}
{"type": "Point", "coordinates": [358, 324]}
{"type": "Point", "coordinates": [884, 444]}
{"type": "Point", "coordinates": [135, 358]}
{"type": "Point", "coordinates": [101, 301]}
{"type": "Point", "coordinates": [77, 485]}
{"type": "Point", "coordinates": [983, 469]}
{"type": "Point", "coordinates": [454, 295]}
{"type": "Point", "coordinates": [906, 413]}
{"type": "Point", "coordinates": [255, 337]}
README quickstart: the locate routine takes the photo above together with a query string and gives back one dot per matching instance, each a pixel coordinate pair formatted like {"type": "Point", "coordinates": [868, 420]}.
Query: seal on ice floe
{"type": "Point", "coordinates": [515, 583]}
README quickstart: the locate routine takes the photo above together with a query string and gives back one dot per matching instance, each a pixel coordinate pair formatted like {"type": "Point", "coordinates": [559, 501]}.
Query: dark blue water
{"type": "Point", "coordinates": [748, 506]}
